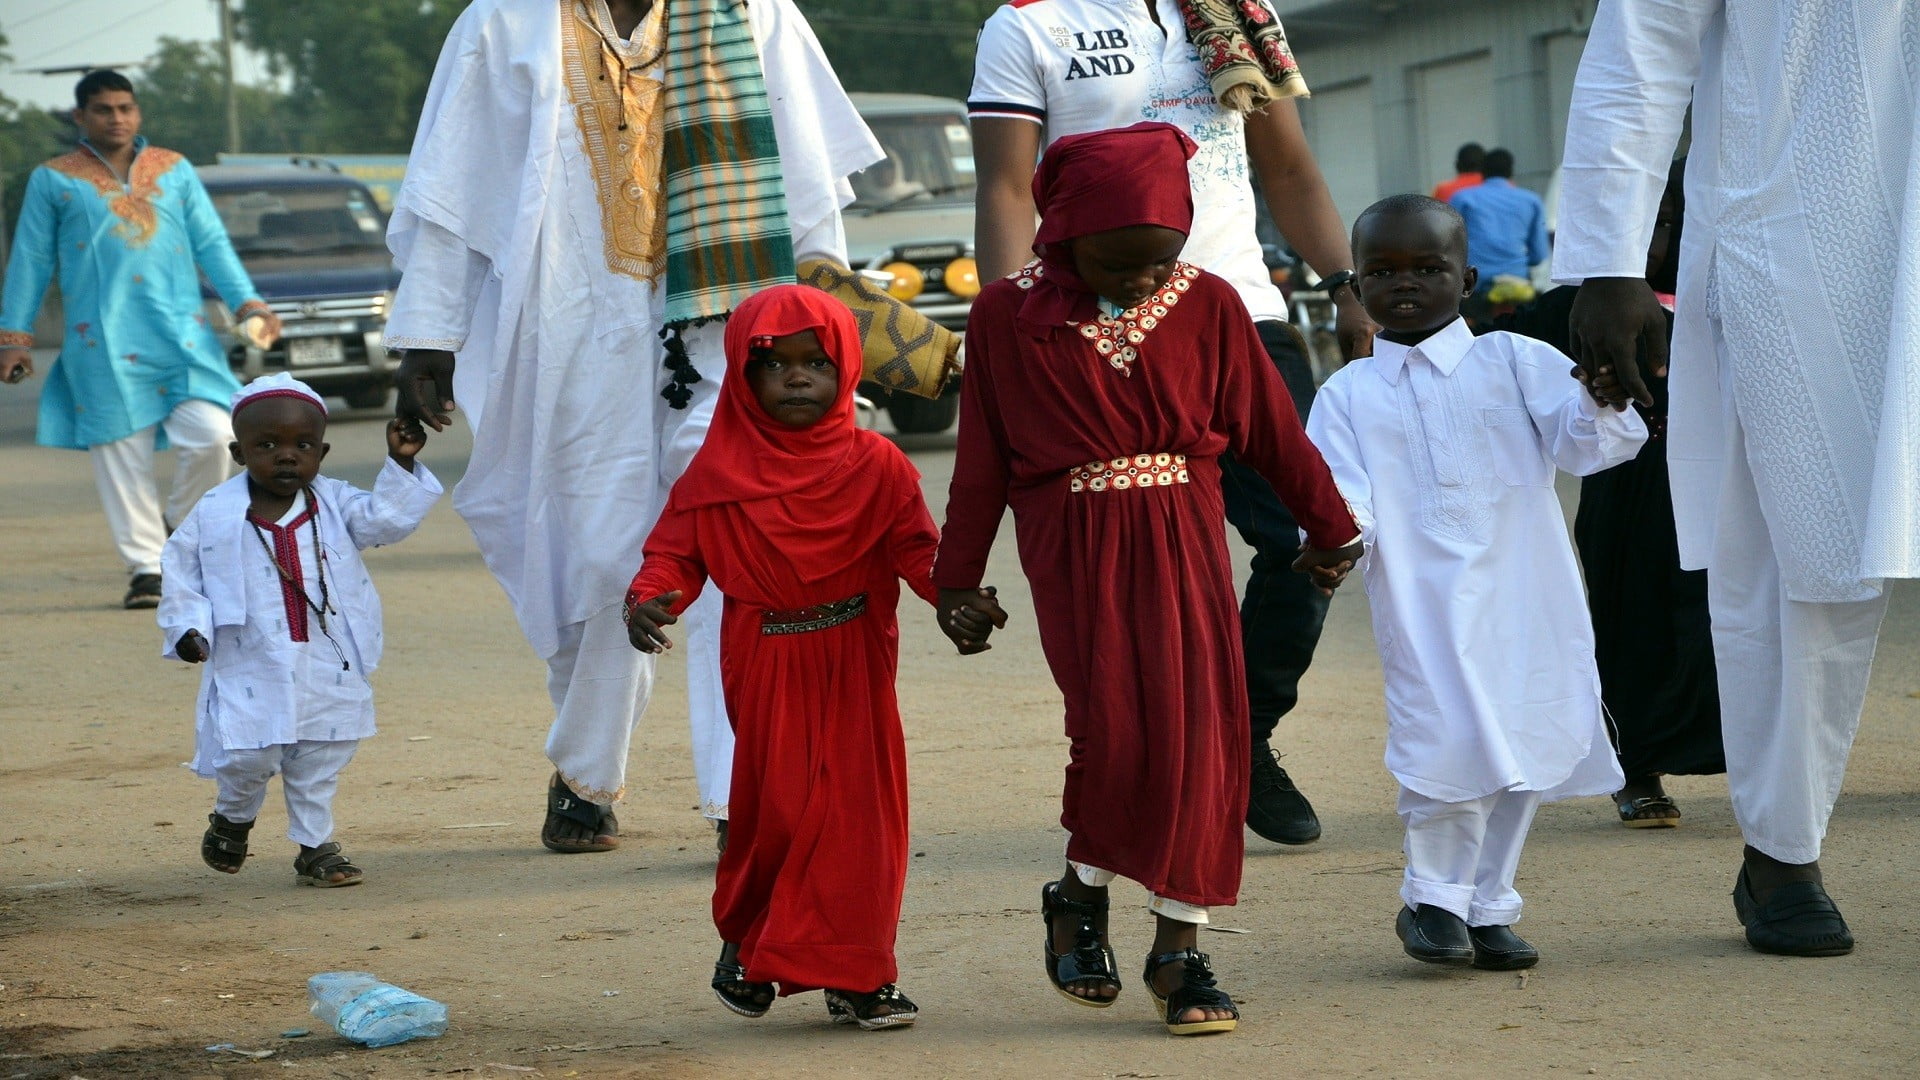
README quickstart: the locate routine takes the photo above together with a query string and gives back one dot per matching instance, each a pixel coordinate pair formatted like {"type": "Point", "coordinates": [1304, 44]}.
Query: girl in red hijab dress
{"type": "Point", "coordinates": [808, 525]}
{"type": "Point", "coordinates": [1103, 382]}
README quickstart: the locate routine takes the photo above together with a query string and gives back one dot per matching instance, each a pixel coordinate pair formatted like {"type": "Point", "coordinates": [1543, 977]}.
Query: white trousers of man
{"type": "Point", "coordinates": [1793, 677]}
{"type": "Point", "coordinates": [199, 432]}
{"type": "Point", "coordinates": [600, 683]}
{"type": "Point", "coordinates": [1462, 856]}
{"type": "Point", "coordinates": [309, 774]}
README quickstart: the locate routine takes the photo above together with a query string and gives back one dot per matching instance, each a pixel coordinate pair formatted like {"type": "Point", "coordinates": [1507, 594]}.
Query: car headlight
{"type": "Point", "coordinates": [908, 282]}
{"type": "Point", "coordinates": [962, 278]}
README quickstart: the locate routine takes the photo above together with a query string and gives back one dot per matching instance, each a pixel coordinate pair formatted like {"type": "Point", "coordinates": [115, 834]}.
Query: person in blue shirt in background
{"type": "Point", "coordinates": [1506, 226]}
{"type": "Point", "coordinates": [127, 230]}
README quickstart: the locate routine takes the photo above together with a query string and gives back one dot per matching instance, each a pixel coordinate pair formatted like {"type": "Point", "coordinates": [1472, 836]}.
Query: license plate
{"type": "Point", "coordinates": [313, 352]}
{"type": "Point", "coordinates": [319, 328]}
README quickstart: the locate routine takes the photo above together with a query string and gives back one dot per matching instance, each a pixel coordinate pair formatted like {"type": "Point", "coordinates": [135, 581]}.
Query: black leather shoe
{"type": "Point", "coordinates": [1798, 919]}
{"type": "Point", "coordinates": [1498, 948]}
{"type": "Point", "coordinates": [1276, 810]}
{"type": "Point", "coordinates": [1434, 935]}
{"type": "Point", "coordinates": [142, 592]}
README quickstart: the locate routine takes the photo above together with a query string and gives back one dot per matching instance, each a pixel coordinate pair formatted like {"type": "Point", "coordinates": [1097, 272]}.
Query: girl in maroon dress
{"type": "Point", "coordinates": [1103, 382]}
{"type": "Point", "coordinates": [808, 525]}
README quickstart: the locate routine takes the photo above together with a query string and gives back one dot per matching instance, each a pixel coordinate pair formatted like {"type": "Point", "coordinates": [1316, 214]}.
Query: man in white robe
{"type": "Point", "coordinates": [515, 228]}
{"type": "Point", "coordinates": [1795, 417]}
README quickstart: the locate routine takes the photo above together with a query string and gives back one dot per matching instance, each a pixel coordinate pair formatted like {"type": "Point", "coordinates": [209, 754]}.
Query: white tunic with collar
{"type": "Point", "coordinates": [260, 687]}
{"type": "Point", "coordinates": [1446, 452]}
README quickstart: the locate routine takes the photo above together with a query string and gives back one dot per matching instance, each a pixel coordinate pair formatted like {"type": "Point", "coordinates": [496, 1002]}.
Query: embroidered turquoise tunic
{"type": "Point", "coordinates": [137, 342]}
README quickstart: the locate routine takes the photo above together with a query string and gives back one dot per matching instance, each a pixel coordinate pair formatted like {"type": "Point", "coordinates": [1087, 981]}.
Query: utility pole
{"type": "Point", "coordinates": [226, 54]}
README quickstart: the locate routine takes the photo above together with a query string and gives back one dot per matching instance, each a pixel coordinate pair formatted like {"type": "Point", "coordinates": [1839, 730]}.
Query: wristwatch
{"type": "Point", "coordinates": [1340, 279]}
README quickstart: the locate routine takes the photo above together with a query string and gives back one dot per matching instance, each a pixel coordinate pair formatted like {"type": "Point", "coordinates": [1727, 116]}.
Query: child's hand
{"type": "Point", "coordinates": [644, 621]}
{"type": "Point", "coordinates": [1328, 568]}
{"type": "Point", "coordinates": [1604, 387]}
{"type": "Point", "coordinates": [192, 647]}
{"type": "Point", "coordinates": [969, 616]}
{"type": "Point", "coordinates": [405, 439]}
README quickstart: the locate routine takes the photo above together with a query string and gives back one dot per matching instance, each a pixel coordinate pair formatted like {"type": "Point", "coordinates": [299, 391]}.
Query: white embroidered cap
{"type": "Point", "coordinates": [278, 384]}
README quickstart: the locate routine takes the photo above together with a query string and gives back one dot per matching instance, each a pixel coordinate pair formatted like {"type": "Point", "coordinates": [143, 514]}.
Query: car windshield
{"type": "Point", "coordinates": [929, 160]}
{"type": "Point", "coordinates": [266, 218]}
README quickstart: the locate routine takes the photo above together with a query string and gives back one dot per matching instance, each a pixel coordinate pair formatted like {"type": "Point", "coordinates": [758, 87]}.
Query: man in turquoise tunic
{"type": "Point", "coordinates": [124, 224]}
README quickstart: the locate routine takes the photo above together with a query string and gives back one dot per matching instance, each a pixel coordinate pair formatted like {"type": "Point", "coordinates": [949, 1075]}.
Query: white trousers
{"type": "Point", "coordinates": [199, 432]}
{"type": "Point", "coordinates": [1177, 910]}
{"type": "Point", "coordinates": [1462, 856]}
{"type": "Point", "coordinates": [600, 685]}
{"type": "Point", "coordinates": [1793, 677]}
{"type": "Point", "coordinates": [309, 775]}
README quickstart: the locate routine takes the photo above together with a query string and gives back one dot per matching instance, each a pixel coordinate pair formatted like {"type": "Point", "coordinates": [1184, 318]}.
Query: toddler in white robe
{"type": "Point", "coordinates": [1445, 446]}
{"type": "Point", "coordinates": [264, 583]}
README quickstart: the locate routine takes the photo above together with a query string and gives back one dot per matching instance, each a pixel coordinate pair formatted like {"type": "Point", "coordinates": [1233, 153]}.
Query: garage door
{"type": "Point", "coordinates": [1453, 104]}
{"type": "Point", "coordinates": [1339, 125]}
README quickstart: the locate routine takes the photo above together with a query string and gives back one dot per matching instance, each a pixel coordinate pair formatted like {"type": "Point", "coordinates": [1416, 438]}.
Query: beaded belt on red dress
{"type": "Point", "coordinates": [1124, 473]}
{"type": "Point", "coordinates": [817, 617]}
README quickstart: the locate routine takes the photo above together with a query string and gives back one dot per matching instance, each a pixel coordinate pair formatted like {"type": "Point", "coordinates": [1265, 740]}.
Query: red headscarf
{"type": "Point", "coordinates": [806, 490]}
{"type": "Point", "coordinates": [1095, 182]}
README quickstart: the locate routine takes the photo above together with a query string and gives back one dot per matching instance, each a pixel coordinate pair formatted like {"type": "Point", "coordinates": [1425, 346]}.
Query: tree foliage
{"type": "Point", "coordinates": [909, 46]}
{"type": "Point", "coordinates": [183, 105]}
{"type": "Point", "coordinates": [359, 70]}
{"type": "Point", "coordinates": [28, 136]}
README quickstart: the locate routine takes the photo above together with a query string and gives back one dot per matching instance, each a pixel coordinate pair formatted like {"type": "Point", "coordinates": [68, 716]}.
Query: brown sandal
{"type": "Point", "coordinates": [565, 807]}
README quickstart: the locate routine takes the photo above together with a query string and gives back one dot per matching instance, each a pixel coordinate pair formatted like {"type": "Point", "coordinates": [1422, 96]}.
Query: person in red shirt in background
{"type": "Point", "coordinates": [1468, 162]}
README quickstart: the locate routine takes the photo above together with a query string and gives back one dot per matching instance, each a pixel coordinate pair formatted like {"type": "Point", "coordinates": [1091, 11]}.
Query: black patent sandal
{"type": "Point", "coordinates": [730, 985]}
{"type": "Point", "coordinates": [1648, 812]}
{"type": "Point", "coordinates": [1196, 991]}
{"type": "Point", "coordinates": [1090, 962]}
{"type": "Point", "coordinates": [318, 867]}
{"type": "Point", "coordinates": [224, 845]}
{"type": "Point", "coordinates": [847, 1007]}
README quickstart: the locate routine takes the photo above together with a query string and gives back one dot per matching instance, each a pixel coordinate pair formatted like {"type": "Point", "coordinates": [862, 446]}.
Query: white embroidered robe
{"type": "Point", "coordinates": [1801, 248]}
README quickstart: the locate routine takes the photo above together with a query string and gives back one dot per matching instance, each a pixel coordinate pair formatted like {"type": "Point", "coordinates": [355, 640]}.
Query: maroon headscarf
{"type": "Point", "coordinates": [805, 490]}
{"type": "Point", "coordinates": [1092, 183]}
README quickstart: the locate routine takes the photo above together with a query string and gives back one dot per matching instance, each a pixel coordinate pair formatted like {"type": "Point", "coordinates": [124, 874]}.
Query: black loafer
{"type": "Point", "coordinates": [1276, 810]}
{"type": "Point", "coordinates": [1498, 948]}
{"type": "Point", "coordinates": [1798, 919]}
{"type": "Point", "coordinates": [1434, 935]}
{"type": "Point", "coordinates": [142, 592]}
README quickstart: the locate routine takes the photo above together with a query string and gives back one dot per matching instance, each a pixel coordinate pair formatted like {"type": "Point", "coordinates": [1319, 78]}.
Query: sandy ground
{"type": "Point", "coordinates": [121, 955]}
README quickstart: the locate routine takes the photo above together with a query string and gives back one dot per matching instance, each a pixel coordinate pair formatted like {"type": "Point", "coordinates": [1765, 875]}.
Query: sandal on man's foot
{"type": "Point", "coordinates": [730, 985]}
{"type": "Point", "coordinates": [1090, 962]}
{"type": "Point", "coordinates": [324, 867]}
{"type": "Point", "coordinates": [884, 1008]}
{"type": "Point", "coordinates": [1196, 991]}
{"type": "Point", "coordinates": [224, 845]}
{"type": "Point", "coordinates": [566, 808]}
{"type": "Point", "coordinates": [1648, 812]}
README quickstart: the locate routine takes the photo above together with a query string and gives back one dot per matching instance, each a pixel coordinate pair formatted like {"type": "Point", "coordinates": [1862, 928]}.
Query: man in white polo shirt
{"type": "Point", "coordinates": [1050, 68]}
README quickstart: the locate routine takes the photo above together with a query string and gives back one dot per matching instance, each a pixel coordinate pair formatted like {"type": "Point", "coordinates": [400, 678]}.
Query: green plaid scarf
{"type": "Point", "coordinates": [727, 233]}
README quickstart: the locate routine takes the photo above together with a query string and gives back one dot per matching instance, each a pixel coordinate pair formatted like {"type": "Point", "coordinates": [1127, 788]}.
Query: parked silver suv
{"type": "Point", "coordinates": [912, 220]}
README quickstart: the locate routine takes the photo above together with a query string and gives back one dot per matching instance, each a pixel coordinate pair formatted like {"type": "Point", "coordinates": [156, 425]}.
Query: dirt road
{"type": "Point", "coordinates": [121, 955]}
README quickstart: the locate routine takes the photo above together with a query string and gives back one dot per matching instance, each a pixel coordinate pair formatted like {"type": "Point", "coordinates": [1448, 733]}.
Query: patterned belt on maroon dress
{"type": "Point", "coordinates": [817, 617]}
{"type": "Point", "coordinates": [1126, 473]}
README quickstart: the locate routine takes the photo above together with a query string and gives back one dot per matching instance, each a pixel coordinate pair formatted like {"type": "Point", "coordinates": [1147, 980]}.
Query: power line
{"type": "Point", "coordinates": [44, 53]}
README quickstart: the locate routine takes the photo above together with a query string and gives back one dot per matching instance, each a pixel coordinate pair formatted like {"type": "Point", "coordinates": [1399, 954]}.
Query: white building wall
{"type": "Point", "coordinates": [1435, 74]}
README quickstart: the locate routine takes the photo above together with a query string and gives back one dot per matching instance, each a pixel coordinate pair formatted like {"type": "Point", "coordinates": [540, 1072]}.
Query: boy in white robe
{"type": "Point", "coordinates": [1445, 446]}
{"type": "Point", "coordinates": [263, 582]}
